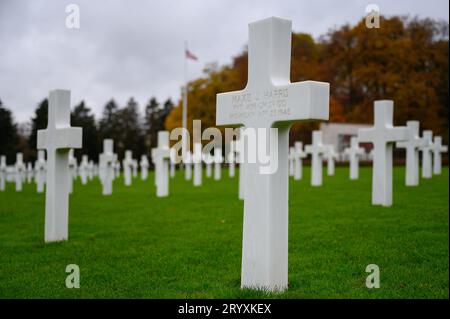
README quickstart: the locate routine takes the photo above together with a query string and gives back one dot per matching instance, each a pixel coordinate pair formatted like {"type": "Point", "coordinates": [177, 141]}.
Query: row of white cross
{"type": "Point", "coordinates": [269, 100]}
{"type": "Point", "coordinates": [109, 166]}
{"type": "Point", "coordinates": [21, 172]}
{"type": "Point", "coordinates": [431, 156]}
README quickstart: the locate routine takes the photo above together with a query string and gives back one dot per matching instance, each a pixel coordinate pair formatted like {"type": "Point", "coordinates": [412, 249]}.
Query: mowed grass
{"type": "Point", "coordinates": [134, 245]}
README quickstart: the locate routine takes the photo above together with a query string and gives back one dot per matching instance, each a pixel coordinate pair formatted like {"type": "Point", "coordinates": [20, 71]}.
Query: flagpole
{"type": "Point", "coordinates": [185, 95]}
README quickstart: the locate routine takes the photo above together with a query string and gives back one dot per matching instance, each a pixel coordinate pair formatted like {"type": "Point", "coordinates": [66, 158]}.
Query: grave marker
{"type": "Point", "coordinates": [144, 167]}
{"type": "Point", "coordinates": [218, 160]}
{"type": "Point", "coordinates": [40, 167]}
{"type": "Point", "coordinates": [127, 167]}
{"type": "Point", "coordinates": [382, 135]}
{"type": "Point", "coordinates": [291, 161]}
{"type": "Point", "coordinates": [317, 150]}
{"type": "Point", "coordinates": [187, 161]}
{"type": "Point", "coordinates": [269, 100]}
{"type": "Point", "coordinates": [19, 171]}
{"type": "Point", "coordinates": [330, 156]}
{"type": "Point", "coordinates": [412, 146]}
{"type": "Point", "coordinates": [427, 149]}
{"type": "Point", "coordinates": [72, 169]}
{"type": "Point", "coordinates": [299, 155]}
{"type": "Point", "coordinates": [208, 159]}
{"type": "Point", "coordinates": [173, 156]}
{"type": "Point", "coordinates": [438, 148]}
{"type": "Point", "coordinates": [161, 156]}
{"type": "Point", "coordinates": [58, 139]}
{"type": "Point", "coordinates": [107, 163]}
{"type": "Point", "coordinates": [84, 166]}
{"type": "Point", "coordinates": [30, 172]}
{"type": "Point", "coordinates": [197, 160]}
{"type": "Point", "coordinates": [231, 158]}
{"type": "Point", "coordinates": [354, 152]}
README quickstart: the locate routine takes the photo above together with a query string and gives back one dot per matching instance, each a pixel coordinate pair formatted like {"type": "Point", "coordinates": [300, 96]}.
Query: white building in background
{"type": "Point", "coordinates": [339, 134]}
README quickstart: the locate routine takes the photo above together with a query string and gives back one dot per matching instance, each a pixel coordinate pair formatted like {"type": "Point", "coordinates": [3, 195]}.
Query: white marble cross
{"type": "Point", "coordinates": [354, 152]}
{"type": "Point", "coordinates": [30, 172]}
{"type": "Point", "coordinates": [72, 169]}
{"type": "Point", "coordinates": [197, 160]}
{"type": "Point", "coordinates": [161, 157]}
{"type": "Point", "coordinates": [330, 156]}
{"type": "Point", "coordinates": [187, 161]}
{"type": "Point", "coordinates": [209, 160]}
{"type": "Point", "coordinates": [317, 149]}
{"type": "Point", "coordinates": [412, 146]}
{"type": "Point", "coordinates": [382, 135]}
{"type": "Point", "coordinates": [291, 158]}
{"type": "Point", "coordinates": [2, 172]}
{"type": "Point", "coordinates": [144, 167]}
{"type": "Point", "coordinates": [84, 166]}
{"type": "Point", "coordinates": [107, 163]}
{"type": "Point", "coordinates": [40, 167]}
{"type": "Point", "coordinates": [19, 171]}
{"type": "Point", "coordinates": [218, 160]}
{"type": "Point", "coordinates": [427, 150]}
{"type": "Point", "coordinates": [173, 154]}
{"type": "Point", "coordinates": [231, 159]}
{"type": "Point", "coordinates": [438, 148]}
{"type": "Point", "coordinates": [127, 167]}
{"type": "Point", "coordinates": [269, 100]}
{"type": "Point", "coordinates": [299, 155]}
{"type": "Point", "coordinates": [57, 140]}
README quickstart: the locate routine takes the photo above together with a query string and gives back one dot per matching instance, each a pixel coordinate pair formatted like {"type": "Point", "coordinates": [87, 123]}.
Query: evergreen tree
{"type": "Point", "coordinates": [151, 123]}
{"type": "Point", "coordinates": [155, 117]}
{"type": "Point", "coordinates": [81, 117]}
{"type": "Point", "coordinates": [38, 122]}
{"type": "Point", "coordinates": [8, 134]}
{"type": "Point", "coordinates": [131, 137]}
{"type": "Point", "coordinates": [109, 123]}
{"type": "Point", "coordinates": [167, 108]}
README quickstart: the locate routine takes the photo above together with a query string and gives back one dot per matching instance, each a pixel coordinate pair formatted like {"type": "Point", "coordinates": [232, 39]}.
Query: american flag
{"type": "Point", "coordinates": [191, 56]}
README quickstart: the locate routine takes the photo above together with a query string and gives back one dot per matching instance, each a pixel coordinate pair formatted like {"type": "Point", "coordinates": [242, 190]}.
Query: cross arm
{"type": "Point", "coordinates": [63, 138]}
{"type": "Point", "coordinates": [397, 134]}
{"type": "Point", "coordinates": [160, 153]}
{"type": "Point", "coordinates": [289, 102]}
{"type": "Point", "coordinates": [309, 149]}
{"type": "Point", "coordinates": [108, 157]}
{"type": "Point", "coordinates": [415, 142]}
{"type": "Point", "coordinates": [42, 139]}
{"type": "Point", "coordinates": [365, 134]}
{"type": "Point", "coordinates": [403, 144]}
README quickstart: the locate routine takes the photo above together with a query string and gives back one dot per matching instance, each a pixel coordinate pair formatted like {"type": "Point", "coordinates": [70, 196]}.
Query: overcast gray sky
{"type": "Point", "coordinates": [135, 48]}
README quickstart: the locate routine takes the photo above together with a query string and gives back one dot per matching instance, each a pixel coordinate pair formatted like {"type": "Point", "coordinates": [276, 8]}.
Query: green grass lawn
{"type": "Point", "coordinates": [134, 245]}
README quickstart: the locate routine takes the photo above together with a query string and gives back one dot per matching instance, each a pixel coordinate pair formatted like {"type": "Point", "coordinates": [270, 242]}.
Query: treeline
{"type": "Point", "coordinates": [129, 129]}
{"type": "Point", "coordinates": [405, 60]}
